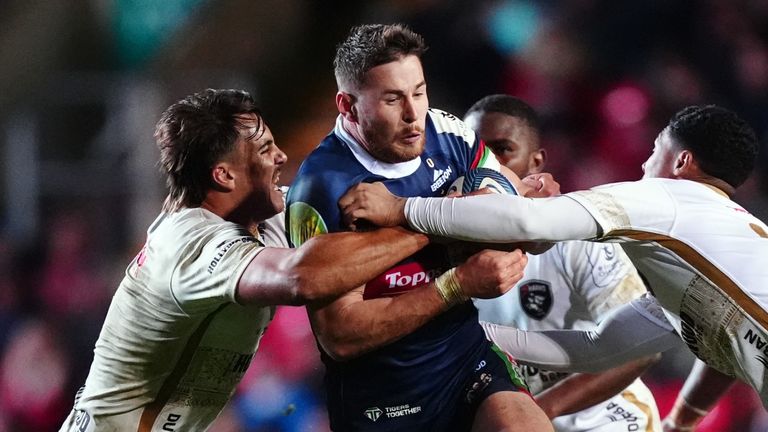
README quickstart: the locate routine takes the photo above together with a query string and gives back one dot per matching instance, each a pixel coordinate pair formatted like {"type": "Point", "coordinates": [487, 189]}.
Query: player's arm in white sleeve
{"type": "Point", "coordinates": [501, 218]}
{"type": "Point", "coordinates": [624, 335]}
{"type": "Point", "coordinates": [602, 275]}
{"type": "Point", "coordinates": [701, 391]}
{"type": "Point", "coordinates": [490, 218]}
{"type": "Point", "coordinates": [324, 266]}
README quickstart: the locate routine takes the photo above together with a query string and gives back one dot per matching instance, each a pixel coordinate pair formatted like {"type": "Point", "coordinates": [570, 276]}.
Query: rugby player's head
{"type": "Point", "coordinates": [212, 135]}
{"type": "Point", "coordinates": [382, 95]}
{"type": "Point", "coordinates": [723, 145]}
{"type": "Point", "coordinates": [510, 128]}
{"type": "Point", "coordinates": [371, 45]}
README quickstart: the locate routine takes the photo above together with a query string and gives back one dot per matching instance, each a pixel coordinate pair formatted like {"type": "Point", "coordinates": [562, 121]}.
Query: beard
{"type": "Point", "coordinates": [386, 146]}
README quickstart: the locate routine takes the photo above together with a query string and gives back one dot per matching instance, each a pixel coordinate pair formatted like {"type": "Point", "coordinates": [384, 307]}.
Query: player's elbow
{"type": "Point", "coordinates": [305, 288]}
{"type": "Point", "coordinates": [341, 351]}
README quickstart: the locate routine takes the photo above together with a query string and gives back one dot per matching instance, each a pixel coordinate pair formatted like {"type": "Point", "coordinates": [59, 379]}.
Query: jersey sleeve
{"type": "Point", "coordinates": [312, 205]}
{"type": "Point", "coordinates": [640, 205]}
{"type": "Point", "coordinates": [473, 151]}
{"type": "Point", "coordinates": [209, 273]}
{"type": "Point", "coordinates": [602, 274]}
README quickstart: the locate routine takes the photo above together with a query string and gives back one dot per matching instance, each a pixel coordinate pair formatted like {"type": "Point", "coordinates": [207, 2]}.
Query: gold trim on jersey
{"type": "Point", "coordinates": [704, 267]}
{"type": "Point", "coordinates": [630, 397]}
{"type": "Point", "coordinates": [612, 213]}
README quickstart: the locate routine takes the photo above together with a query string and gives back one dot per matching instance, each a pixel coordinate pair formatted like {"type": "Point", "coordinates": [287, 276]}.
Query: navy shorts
{"type": "Point", "coordinates": [449, 409]}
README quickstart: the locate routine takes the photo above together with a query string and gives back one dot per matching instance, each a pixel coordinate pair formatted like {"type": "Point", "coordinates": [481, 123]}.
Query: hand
{"type": "Point", "coordinates": [491, 273]}
{"type": "Point", "coordinates": [542, 185]}
{"type": "Point", "coordinates": [374, 203]}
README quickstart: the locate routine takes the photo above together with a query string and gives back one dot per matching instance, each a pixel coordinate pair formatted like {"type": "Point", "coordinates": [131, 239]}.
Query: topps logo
{"type": "Point", "coordinates": [398, 279]}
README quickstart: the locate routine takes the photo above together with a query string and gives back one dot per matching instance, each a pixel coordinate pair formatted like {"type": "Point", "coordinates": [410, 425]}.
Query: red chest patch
{"type": "Point", "coordinates": [419, 270]}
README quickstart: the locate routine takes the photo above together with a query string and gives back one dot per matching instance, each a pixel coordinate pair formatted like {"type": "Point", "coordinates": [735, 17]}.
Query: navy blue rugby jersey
{"type": "Point", "coordinates": [426, 359]}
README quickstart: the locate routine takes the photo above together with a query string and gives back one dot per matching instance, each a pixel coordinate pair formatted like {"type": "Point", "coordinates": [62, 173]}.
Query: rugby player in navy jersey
{"type": "Point", "coordinates": [405, 352]}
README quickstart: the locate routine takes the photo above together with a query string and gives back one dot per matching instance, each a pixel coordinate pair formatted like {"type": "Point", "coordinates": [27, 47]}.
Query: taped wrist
{"type": "Point", "coordinates": [448, 287]}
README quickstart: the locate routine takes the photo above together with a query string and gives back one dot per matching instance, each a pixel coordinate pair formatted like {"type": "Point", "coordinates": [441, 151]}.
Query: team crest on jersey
{"type": "Point", "coordinates": [536, 298]}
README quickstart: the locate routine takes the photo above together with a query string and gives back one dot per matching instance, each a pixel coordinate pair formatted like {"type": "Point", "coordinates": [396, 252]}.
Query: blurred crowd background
{"type": "Point", "coordinates": [82, 83]}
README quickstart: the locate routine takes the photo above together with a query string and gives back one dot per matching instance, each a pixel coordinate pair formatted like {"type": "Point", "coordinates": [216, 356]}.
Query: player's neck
{"type": "Point", "coordinates": [354, 132]}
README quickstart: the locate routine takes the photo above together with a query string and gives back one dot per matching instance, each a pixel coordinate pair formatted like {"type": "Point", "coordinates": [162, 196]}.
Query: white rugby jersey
{"type": "Point", "coordinates": [174, 344]}
{"type": "Point", "coordinates": [706, 261]}
{"type": "Point", "coordinates": [570, 286]}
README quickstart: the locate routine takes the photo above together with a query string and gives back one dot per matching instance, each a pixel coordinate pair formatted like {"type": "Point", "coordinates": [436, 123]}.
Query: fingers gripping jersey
{"type": "Point", "coordinates": [411, 371]}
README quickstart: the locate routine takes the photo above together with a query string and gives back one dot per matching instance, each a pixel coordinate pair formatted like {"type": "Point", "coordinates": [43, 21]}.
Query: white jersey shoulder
{"type": "Point", "coordinates": [448, 123]}
{"type": "Point", "coordinates": [704, 258]}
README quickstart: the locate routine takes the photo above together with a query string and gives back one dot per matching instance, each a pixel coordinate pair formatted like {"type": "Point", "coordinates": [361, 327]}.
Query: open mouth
{"type": "Point", "coordinates": [276, 180]}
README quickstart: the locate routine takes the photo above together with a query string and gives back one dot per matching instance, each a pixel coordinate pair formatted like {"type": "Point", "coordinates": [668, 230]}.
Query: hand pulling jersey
{"type": "Point", "coordinates": [174, 344]}
{"type": "Point", "coordinates": [399, 383]}
{"type": "Point", "coordinates": [572, 286]}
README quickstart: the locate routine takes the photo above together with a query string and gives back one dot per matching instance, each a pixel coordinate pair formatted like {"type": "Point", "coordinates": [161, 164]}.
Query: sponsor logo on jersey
{"type": "Point", "coordinates": [392, 411]}
{"type": "Point", "coordinates": [536, 298]}
{"type": "Point", "coordinates": [761, 344]}
{"type": "Point", "coordinates": [224, 247]}
{"type": "Point", "coordinates": [618, 413]}
{"type": "Point", "coordinates": [690, 333]}
{"type": "Point", "coordinates": [304, 223]}
{"type": "Point", "coordinates": [418, 270]}
{"type": "Point", "coordinates": [82, 420]}
{"type": "Point", "coordinates": [373, 413]}
{"type": "Point", "coordinates": [440, 177]}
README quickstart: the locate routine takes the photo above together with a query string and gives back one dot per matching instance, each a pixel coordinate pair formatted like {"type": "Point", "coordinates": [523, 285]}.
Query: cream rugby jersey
{"type": "Point", "coordinates": [572, 286]}
{"type": "Point", "coordinates": [175, 343]}
{"type": "Point", "coordinates": [706, 261]}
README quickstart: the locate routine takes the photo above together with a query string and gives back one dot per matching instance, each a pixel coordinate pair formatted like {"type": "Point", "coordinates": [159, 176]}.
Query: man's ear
{"type": "Point", "coordinates": [685, 163]}
{"type": "Point", "coordinates": [345, 103]}
{"type": "Point", "coordinates": [537, 161]}
{"type": "Point", "coordinates": [222, 177]}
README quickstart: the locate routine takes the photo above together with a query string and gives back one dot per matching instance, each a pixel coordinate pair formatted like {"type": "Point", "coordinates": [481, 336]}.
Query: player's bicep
{"type": "Point", "coordinates": [266, 279]}
{"type": "Point", "coordinates": [329, 318]}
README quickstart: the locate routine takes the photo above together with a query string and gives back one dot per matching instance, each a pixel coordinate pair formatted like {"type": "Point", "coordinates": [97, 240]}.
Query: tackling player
{"type": "Point", "coordinates": [187, 317]}
{"type": "Point", "coordinates": [573, 285]}
{"type": "Point", "coordinates": [704, 256]}
{"type": "Point", "coordinates": [397, 357]}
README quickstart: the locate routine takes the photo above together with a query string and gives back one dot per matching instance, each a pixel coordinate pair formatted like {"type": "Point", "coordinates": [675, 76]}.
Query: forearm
{"type": "Point", "coordinates": [623, 336]}
{"type": "Point", "coordinates": [701, 391]}
{"type": "Point", "coordinates": [347, 328]}
{"type": "Point", "coordinates": [580, 391]}
{"type": "Point", "coordinates": [329, 265]}
{"type": "Point", "coordinates": [324, 267]}
{"type": "Point", "coordinates": [501, 218]}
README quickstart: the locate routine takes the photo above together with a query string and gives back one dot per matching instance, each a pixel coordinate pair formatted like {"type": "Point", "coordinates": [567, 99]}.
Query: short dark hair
{"type": "Point", "coordinates": [724, 145]}
{"type": "Point", "coordinates": [371, 45]}
{"type": "Point", "coordinates": [508, 105]}
{"type": "Point", "coordinates": [195, 133]}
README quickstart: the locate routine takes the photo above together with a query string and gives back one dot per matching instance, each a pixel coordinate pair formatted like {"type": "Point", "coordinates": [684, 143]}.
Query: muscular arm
{"type": "Point", "coordinates": [350, 326]}
{"type": "Point", "coordinates": [580, 391]}
{"type": "Point", "coordinates": [624, 335]}
{"type": "Point", "coordinates": [325, 266]}
{"type": "Point", "coordinates": [698, 396]}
